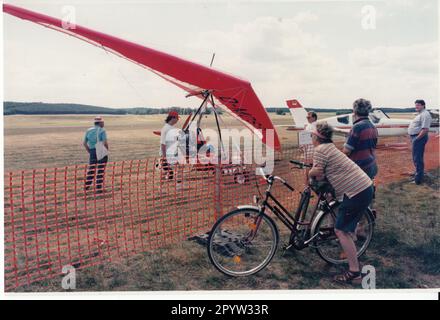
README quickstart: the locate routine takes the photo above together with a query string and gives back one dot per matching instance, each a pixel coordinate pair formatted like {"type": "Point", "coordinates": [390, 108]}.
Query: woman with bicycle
{"type": "Point", "coordinates": [353, 189]}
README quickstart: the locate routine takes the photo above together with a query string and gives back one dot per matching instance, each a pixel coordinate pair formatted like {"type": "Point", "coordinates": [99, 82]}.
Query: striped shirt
{"type": "Point", "coordinates": [362, 141]}
{"type": "Point", "coordinates": [344, 175]}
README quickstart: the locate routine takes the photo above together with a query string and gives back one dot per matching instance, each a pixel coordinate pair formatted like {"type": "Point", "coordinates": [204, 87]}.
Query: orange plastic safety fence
{"type": "Point", "coordinates": [84, 216]}
{"type": "Point", "coordinates": [395, 158]}
{"type": "Point", "coordinates": [52, 220]}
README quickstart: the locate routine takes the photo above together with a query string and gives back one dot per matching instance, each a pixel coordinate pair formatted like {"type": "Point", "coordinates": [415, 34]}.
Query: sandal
{"type": "Point", "coordinates": [349, 277]}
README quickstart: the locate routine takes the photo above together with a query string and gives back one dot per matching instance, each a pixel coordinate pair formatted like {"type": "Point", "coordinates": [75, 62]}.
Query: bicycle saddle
{"type": "Point", "coordinates": [321, 186]}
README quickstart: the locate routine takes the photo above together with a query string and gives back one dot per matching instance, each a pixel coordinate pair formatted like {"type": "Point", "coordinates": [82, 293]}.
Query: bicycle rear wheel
{"type": "Point", "coordinates": [242, 242]}
{"type": "Point", "coordinates": [327, 243]}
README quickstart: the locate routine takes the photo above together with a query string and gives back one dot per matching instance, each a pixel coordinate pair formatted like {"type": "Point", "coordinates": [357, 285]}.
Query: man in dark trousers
{"type": "Point", "coordinates": [418, 132]}
{"type": "Point", "coordinates": [94, 135]}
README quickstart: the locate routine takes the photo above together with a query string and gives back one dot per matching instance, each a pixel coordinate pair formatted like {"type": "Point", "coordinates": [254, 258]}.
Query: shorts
{"type": "Point", "coordinates": [351, 210]}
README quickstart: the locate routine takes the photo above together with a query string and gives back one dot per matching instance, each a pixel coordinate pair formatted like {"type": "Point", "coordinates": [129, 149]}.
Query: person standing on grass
{"type": "Point", "coordinates": [362, 139]}
{"type": "Point", "coordinates": [353, 189]}
{"type": "Point", "coordinates": [418, 131]}
{"type": "Point", "coordinates": [94, 135]}
{"type": "Point", "coordinates": [307, 149]}
{"type": "Point", "coordinates": [168, 143]}
{"type": "Point", "coordinates": [312, 117]}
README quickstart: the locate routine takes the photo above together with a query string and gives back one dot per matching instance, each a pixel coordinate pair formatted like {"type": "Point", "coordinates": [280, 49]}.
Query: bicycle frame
{"type": "Point", "coordinates": [290, 220]}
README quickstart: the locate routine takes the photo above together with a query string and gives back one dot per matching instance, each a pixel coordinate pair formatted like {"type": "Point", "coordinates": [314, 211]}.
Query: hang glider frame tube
{"type": "Point", "coordinates": [207, 98]}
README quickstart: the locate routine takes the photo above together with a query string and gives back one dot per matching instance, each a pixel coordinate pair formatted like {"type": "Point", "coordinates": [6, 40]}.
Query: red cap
{"type": "Point", "coordinates": [173, 114]}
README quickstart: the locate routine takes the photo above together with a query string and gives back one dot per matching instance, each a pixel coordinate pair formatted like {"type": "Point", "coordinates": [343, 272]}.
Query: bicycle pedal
{"type": "Point", "coordinates": [286, 247]}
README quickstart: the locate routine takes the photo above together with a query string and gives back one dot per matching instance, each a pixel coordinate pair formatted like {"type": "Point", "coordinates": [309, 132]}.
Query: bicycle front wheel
{"type": "Point", "coordinates": [242, 242]}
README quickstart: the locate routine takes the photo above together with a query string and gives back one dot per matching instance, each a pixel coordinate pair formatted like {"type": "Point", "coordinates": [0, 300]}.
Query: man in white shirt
{"type": "Point", "coordinates": [418, 131]}
{"type": "Point", "coordinates": [169, 143]}
{"type": "Point", "coordinates": [312, 117]}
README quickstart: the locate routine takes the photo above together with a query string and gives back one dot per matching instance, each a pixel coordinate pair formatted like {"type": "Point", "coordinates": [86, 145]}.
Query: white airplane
{"type": "Point", "coordinates": [343, 123]}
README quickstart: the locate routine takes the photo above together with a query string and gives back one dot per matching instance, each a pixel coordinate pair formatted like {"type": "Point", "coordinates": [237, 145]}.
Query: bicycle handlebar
{"type": "Point", "coordinates": [271, 177]}
{"type": "Point", "coordinates": [261, 171]}
{"type": "Point", "coordinates": [300, 164]}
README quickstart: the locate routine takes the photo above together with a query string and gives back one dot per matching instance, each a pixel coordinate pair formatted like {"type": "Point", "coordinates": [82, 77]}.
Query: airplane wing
{"type": "Point", "coordinates": [341, 132]}
{"type": "Point", "coordinates": [289, 127]}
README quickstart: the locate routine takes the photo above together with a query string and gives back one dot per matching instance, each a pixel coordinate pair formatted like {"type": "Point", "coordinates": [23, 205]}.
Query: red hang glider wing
{"type": "Point", "coordinates": [234, 94]}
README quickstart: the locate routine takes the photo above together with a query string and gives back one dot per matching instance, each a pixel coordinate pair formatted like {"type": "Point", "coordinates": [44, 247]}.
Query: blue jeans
{"type": "Point", "coordinates": [96, 168]}
{"type": "Point", "coordinates": [418, 150]}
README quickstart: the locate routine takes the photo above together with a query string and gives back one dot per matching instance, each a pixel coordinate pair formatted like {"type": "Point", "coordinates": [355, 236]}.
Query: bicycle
{"type": "Point", "coordinates": [244, 241]}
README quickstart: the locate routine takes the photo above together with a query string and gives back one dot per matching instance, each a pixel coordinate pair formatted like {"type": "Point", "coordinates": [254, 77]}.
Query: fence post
{"type": "Point", "coordinates": [217, 192]}
{"type": "Point", "coordinates": [217, 182]}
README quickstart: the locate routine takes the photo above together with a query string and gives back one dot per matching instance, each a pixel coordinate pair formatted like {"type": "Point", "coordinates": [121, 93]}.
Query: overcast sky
{"type": "Point", "coordinates": [315, 51]}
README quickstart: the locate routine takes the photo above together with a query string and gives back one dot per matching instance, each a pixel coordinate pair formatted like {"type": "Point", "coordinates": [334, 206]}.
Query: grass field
{"type": "Point", "coordinates": [48, 141]}
{"type": "Point", "coordinates": [56, 140]}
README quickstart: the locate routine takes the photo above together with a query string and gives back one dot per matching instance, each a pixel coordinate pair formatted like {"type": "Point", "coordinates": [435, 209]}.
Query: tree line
{"type": "Point", "coordinates": [41, 108]}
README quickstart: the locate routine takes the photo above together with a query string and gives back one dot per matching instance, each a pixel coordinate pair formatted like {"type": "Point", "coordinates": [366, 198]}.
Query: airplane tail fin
{"type": "Point", "coordinates": [299, 114]}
